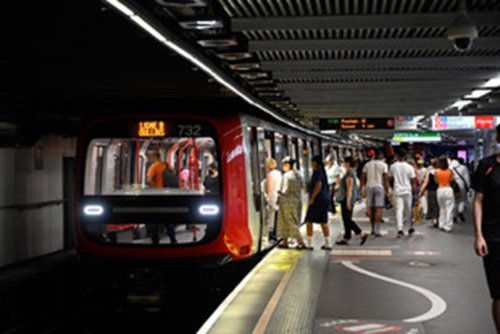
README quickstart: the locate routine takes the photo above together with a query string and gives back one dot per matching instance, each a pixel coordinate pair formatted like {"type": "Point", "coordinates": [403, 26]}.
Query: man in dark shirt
{"type": "Point", "coordinates": [487, 224]}
{"type": "Point", "coordinates": [211, 183]}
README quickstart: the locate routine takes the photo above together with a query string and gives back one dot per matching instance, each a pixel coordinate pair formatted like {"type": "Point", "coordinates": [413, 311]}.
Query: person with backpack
{"type": "Point", "coordinates": [487, 224]}
{"type": "Point", "coordinates": [348, 194]}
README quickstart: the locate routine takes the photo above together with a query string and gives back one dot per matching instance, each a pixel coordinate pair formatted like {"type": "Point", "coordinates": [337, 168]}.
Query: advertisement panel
{"type": "Point", "coordinates": [440, 123]}
{"type": "Point", "coordinates": [407, 122]}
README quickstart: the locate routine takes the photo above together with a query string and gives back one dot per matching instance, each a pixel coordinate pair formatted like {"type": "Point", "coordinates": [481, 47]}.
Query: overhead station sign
{"type": "Point", "coordinates": [416, 137]}
{"type": "Point", "coordinates": [356, 123]}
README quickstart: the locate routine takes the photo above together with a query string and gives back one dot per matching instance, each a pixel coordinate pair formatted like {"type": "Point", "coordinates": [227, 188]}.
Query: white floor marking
{"type": "Point", "coordinates": [438, 304]}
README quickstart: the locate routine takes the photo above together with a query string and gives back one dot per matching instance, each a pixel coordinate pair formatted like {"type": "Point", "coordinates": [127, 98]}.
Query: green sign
{"type": "Point", "coordinates": [416, 137]}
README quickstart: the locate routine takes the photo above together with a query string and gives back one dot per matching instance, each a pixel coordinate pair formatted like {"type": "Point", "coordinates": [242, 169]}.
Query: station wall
{"type": "Point", "coordinates": [32, 231]}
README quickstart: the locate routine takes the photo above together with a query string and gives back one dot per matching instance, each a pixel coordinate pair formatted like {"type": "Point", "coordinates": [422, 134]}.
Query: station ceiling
{"type": "Point", "coordinates": [303, 59]}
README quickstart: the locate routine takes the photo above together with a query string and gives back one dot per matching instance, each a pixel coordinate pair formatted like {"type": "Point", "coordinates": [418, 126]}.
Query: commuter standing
{"type": "Point", "coordinates": [487, 224]}
{"type": "Point", "coordinates": [422, 200]}
{"type": "Point", "coordinates": [445, 195]}
{"type": "Point", "coordinates": [155, 170]}
{"type": "Point", "coordinates": [430, 187]}
{"type": "Point", "coordinates": [155, 177]}
{"type": "Point", "coordinates": [332, 172]}
{"type": "Point", "coordinates": [348, 193]}
{"type": "Point", "coordinates": [319, 200]}
{"type": "Point", "coordinates": [462, 177]}
{"type": "Point", "coordinates": [211, 183]}
{"type": "Point", "coordinates": [375, 181]}
{"type": "Point", "coordinates": [404, 191]}
{"type": "Point", "coordinates": [289, 206]}
{"type": "Point", "coordinates": [273, 184]}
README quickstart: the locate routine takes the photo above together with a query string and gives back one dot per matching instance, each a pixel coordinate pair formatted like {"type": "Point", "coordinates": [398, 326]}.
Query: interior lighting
{"type": "Point", "coordinates": [93, 210]}
{"type": "Point", "coordinates": [477, 93]}
{"type": "Point", "coordinates": [202, 65]}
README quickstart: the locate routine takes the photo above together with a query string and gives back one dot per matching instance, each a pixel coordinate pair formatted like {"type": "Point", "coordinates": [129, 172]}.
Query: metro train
{"type": "Point", "coordinates": [120, 215]}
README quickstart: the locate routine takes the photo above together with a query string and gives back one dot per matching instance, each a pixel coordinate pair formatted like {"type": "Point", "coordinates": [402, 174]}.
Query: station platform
{"type": "Point", "coordinates": [431, 282]}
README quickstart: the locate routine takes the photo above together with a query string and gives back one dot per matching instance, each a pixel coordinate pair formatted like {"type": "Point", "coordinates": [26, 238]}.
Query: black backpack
{"type": "Point", "coordinates": [170, 179]}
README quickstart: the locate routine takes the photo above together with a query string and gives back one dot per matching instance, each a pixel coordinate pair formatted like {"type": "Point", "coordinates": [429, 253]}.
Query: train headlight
{"type": "Point", "coordinates": [93, 210]}
{"type": "Point", "coordinates": [209, 210]}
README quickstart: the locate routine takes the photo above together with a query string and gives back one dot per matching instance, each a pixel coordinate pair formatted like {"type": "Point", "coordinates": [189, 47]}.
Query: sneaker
{"type": "Point", "coordinates": [401, 234]}
{"type": "Point", "coordinates": [411, 231]}
{"type": "Point", "coordinates": [377, 235]}
{"type": "Point", "coordinates": [325, 247]}
{"type": "Point", "coordinates": [461, 217]}
{"type": "Point", "coordinates": [363, 239]}
{"type": "Point", "coordinates": [341, 243]}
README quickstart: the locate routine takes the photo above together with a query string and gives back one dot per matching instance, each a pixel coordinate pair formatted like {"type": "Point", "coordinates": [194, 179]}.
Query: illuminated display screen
{"type": "Point", "coordinates": [356, 123]}
{"type": "Point", "coordinates": [152, 129]}
{"type": "Point", "coordinates": [416, 137]}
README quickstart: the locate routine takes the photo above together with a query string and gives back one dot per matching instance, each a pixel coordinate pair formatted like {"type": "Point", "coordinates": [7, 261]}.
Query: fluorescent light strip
{"type": "Point", "coordinates": [146, 26]}
{"type": "Point", "coordinates": [493, 83]}
{"type": "Point", "coordinates": [159, 36]}
{"type": "Point", "coordinates": [121, 7]}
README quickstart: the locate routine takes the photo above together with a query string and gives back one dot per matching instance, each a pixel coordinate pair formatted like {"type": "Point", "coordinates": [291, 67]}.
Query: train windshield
{"type": "Point", "coordinates": [152, 165]}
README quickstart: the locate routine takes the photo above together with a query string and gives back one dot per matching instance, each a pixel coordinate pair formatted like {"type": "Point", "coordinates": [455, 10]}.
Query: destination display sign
{"type": "Point", "coordinates": [356, 123]}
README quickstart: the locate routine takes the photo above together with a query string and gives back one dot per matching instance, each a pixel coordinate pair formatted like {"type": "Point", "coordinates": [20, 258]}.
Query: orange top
{"type": "Point", "coordinates": [155, 171]}
{"type": "Point", "coordinates": [444, 177]}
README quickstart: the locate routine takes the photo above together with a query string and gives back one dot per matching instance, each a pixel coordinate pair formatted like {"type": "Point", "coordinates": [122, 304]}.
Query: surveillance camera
{"type": "Point", "coordinates": [462, 32]}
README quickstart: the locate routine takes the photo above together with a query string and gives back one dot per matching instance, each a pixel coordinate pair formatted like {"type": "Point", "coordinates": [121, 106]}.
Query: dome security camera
{"type": "Point", "coordinates": [462, 32]}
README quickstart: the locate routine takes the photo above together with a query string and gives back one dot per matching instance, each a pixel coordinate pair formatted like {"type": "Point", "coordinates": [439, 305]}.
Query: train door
{"type": "Point", "coordinates": [259, 152]}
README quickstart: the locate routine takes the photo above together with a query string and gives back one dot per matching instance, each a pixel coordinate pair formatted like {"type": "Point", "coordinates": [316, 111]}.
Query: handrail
{"type": "Point", "coordinates": [38, 205]}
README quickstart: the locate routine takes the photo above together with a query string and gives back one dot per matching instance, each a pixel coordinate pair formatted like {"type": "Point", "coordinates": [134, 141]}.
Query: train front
{"type": "Point", "coordinates": [150, 189]}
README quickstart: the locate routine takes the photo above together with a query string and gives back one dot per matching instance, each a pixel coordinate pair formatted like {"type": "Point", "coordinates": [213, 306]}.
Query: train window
{"type": "Point", "coordinates": [151, 166]}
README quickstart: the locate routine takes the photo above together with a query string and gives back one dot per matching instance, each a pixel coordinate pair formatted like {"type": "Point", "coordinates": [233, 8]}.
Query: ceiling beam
{"type": "Point", "coordinates": [392, 44]}
{"type": "Point", "coordinates": [400, 99]}
{"type": "Point", "coordinates": [427, 20]}
{"type": "Point", "coordinates": [381, 86]}
{"type": "Point", "coordinates": [385, 74]}
{"type": "Point", "coordinates": [384, 63]}
{"type": "Point", "coordinates": [427, 94]}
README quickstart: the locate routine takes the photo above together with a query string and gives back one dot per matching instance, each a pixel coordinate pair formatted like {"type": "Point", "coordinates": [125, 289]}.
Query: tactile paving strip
{"type": "Point", "coordinates": [297, 308]}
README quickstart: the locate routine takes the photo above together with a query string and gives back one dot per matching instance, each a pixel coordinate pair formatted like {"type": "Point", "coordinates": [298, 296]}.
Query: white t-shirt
{"type": "Point", "coordinates": [331, 173]}
{"type": "Point", "coordinates": [274, 179]}
{"type": "Point", "coordinates": [402, 172]}
{"type": "Point", "coordinates": [375, 170]}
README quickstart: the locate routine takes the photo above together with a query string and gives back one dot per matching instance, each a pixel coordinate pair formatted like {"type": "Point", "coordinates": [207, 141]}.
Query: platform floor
{"type": "Point", "coordinates": [430, 283]}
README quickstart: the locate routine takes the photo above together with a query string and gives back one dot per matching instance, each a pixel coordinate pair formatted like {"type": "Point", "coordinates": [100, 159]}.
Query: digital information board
{"type": "Point", "coordinates": [356, 123]}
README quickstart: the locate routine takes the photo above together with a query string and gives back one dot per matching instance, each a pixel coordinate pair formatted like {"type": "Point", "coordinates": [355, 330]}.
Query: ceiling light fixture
{"type": "Point", "coordinates": [477, 93]}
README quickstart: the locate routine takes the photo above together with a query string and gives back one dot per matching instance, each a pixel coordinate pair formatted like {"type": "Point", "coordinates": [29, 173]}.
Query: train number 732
{"type": "Point", "coordinates": [186, 130]}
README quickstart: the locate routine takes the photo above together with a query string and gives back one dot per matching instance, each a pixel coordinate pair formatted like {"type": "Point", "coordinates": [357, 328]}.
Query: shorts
{"type": "Point", "coordinates": [492, 269]}
{"type": "Point", "coordinates": [375, 197]}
